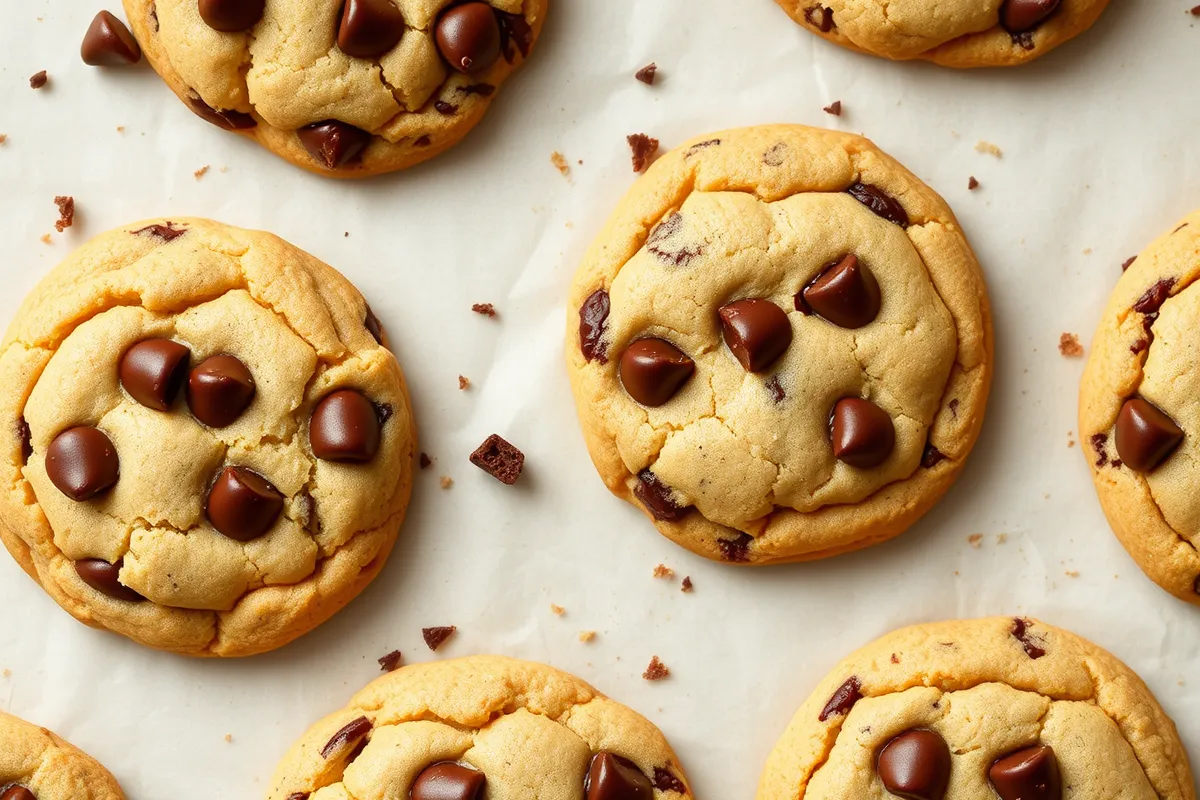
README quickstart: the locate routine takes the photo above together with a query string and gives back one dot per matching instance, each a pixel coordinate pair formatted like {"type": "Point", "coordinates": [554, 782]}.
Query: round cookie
{"type": "Point", "coordinates": [446, 730]}
{"type": "Point", "coordinates": [993, 708]}
{"type": "Point", "coordinates": [344, 89]}
{"type": "Point", "coordinates": [1139, 410]}
{"type": "Point", "coordinates": [780, 345]}
{"type": "Point", "coordinates": [954, 33]}
{"type": "Point", "coordinates": [37, 765]}
{"type": "Point", "coordinates": [207, 446]}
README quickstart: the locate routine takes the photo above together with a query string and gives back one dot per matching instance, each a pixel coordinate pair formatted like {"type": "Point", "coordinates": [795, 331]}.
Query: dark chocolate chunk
{"type": "Point", "coordinates": [646, 74]}
{"type": "Point", "coordinates": [334, 144]}
{"type": "Point", "coordinates": [611, 777]}
{"type": "Point", "coordinates": [82, 463]}
{"type": "Point", "coordinates": [1029, 774]}
{"type": "Point", "coordinates": [514, 30]}
{"type": "Point", "coordinates": [843, 699]}
{"type": "Point", "coordinates": [1031, 644]}
{"type": "Point", "coordinates": [756, 331]}
{"type": "Point", "coordinates": [468, 37]}
{"type": "Point", "coordinates": [1145, 436]}
{"type": "Point", "coordinates": [972, 183]}
{"type": "Point", "coordinates": [346, 739]}
{"type": "Point", "coordinates": [915, 765]}
{"type": "Point", "coordinates": [38, 80]}
{"type": "Point", "coordinates": [879, 202]}
{"type": "Point", "coordinates": [391, 662]}
{"type": "Point", "coordinates": [243, 505]}
{"type": "Point", "coordinates": [108, 43]}
{"type": "Point", "coordinates": [219, 389]}
{"type": "Point", "coordinates": [369, 28]}
{"type": "Point", "coordinates": [593, 316]}
{"type": "Point", "coordinates": [845, 293]}
{"type": "Point", "coordinates": [820, 18]}
{"type": "Point", "coordinates": [834, 108]}
{"type": "Point", "coordinates": [105, 578]}
{"type": "Point", "coordinates": [499, 459]}
{"type": "Point", "coordinates": [153, 371]}
{"type": "Point", "coordinates": [862, 433]}
{"type": "Point", "coordinates": [736, 550]}
{"type": "Point", "coordinates": [26, 437]}
{"type": "Point", "coordinates": [1022, 16]}
{"type": "Point", "coordinates": [448, 781]}
{"type": "Point", "coordinates": [656, 497]}
{"type": "Point", "coordinates": [653, 371]}
{"type": "Point", "coordinates": [435, 637]}
{"type": "Point", "coordinates": [17, 793]}
{"type": "Point", "coordinates": [231, 16]}
{"type": "Point", "coordinates": [643, 147]}
{"type": "Point", "coordinates": [344, 427]}
{"type": "Point", "coordinates": [222, 118]}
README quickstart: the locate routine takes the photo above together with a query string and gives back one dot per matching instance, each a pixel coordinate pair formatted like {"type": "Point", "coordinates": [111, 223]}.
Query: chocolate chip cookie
{"type": "Point", "coordinates": [345, 88]}
{"type": "Point", "coordinates": [994, 708]}
{"type": "Point", "coordinates": [37, 765]}
{"type": "Point", "coordinates": [207, 446]}
{"type": "Point", "coordinates": [780, 345]}
{"type": "Point", "coordinates": [481, 727]}
{"type": "Point", "coordinates": [955, 33]}
{"type": "Point", "coordinates": [1139, 418]}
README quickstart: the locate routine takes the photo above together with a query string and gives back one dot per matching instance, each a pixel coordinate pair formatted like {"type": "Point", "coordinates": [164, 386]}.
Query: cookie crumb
{"type": "Point", "coordinates": [1072, 573]}
{"type": "Point", "coordinates": [200, 173]}
{"type": "Point", "coordinates": [46, 239]}
{"type": "Point", "coordinates": [656, 671]}
{"type": "Point", "coordinates": [557, 610]}
{"type": "Point", "coordinates": [447, 481]}
{"type": "Point", "coordinates": [464, 383]}
{"type": "Point", "coordinates": [976, 540]}
{"type": "Point", "coordinates": [7, 672]}
{"type": "Point", "coordinates": [1069, 346]}
{"type": "Point", "coordinates": [436, 637]}
{"type": "Point", "coordinates": [66, 212]}
{"type": "Point", "coordinates": [499, 459]}
{"type": "Point", "coordinates": [988, 148]}
{"type": "Point", "coordinates": [834, 108]}
{"type": "Point", "coordinates": [644, 148]}
{"type": "Point", "coordinates": [3, 138]}
{"type": "Point", "coordinates": [392, 661]}
{"type": "Point", "coordinates": [663, 571]}
{"type": "Point", "coordinates": [687, 585]}
{"type": "Point", "coordinates": [38, 80]}
{"type": "Point", "coordinates": [1001, 538]}
{"type": "Point", "coordinates": [424, 461]}
{"type": "Point", "coordinates": [120, 129]}
{"type": "Point", "coordinates": [484, 309]}
{"type": "Point", "coordinates": [646, 74]}
{"type": "Point", "coordinates": [560, 163]}
{"type": "Point", "coordinates": [972, 184]}
{"type": "Point", "coordinates": [587, 636]}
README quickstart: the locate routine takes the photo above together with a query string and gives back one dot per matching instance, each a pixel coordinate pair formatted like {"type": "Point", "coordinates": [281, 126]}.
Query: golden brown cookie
{"type": "Point", "coordinates": [37, 765]}
{"type": "Point", "coordinates": [344, 89]}
{"type": "Point", "coordinates": [207, 444]}
{"type": "Point", "coordinates": [955, 33]}
{"type": "Point", "coordinates": [780, 345]}
{"type": "Point", "coordinates": [978, 710]}
{"type": "Point", "coordinates": [1139, 410]}
{"type": "Point", "coordinates": [480, 727]}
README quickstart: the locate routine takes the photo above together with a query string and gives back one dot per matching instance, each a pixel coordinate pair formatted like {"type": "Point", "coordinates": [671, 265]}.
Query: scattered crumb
{"type": "Point", "coordinates": [557, 610]}
{"type": "Point", "coordinates": [66, 212]}
{"type": "Point", "coordinates": [972, 183]}
{"type": "Point", "coordinates": [1070, 443]}
{"type": "Point", "coordinates": [976, 540]}
{"type": "Point", "coordinates": [656, 671]}
{"type": "Point", "coordinates": [46, 239]}
{"type": "Point", "coordinates": [229, 737]}
{"type": "Point", "coordinates": [1087, 251]}
{"type": "Point", "coordinates": [464, 383]}
{"type": "Point", "coordinates": [644, 148]}
{"type": "Point", "coordinates": [38, 80]}
{"type": "Point", "coordinates": [3, 138]}
{"type": "Point", "coordinates": [6, 673]}
{"type": "Point", "coordinates": [435, 637]}
{"type": "Point", "coordinates": [198, 174]}
{"type": "Point", "coordinates": [499, 459]}
{"type": "Point", "coordinates": [646, 74]}
{"type": "Point", "coordinates": [486, 309]}
{"type": "Point", "coordinates": [1072, 573]}
{"type": "Point", "coordinates": [988, 148]}
{"type": "Point", "coordinates": [687, 585]}
{"type": "Point", "coordinates": [1001, 538]}
{"type": "Point", "coordinates": [663, 571]}
{"type": "Point", "coordinates": [392, 661]}
{"type": "Point", "coordinates": [834, 108]}
{"type": "Point", "coordinates": [447, 481]}
{"type": "Point", "coordinates": [120, 129]}
{"type": "Point", "coordinates": [560, 163]}
{"type": "Point", "coordinates": [586, 636]}
{"type": "Point", "coordinates": [425, 461]}
{"type": "Point", "coordinates": [346, 235]}
{"type": "Point", "coordinates": [1069, 346]}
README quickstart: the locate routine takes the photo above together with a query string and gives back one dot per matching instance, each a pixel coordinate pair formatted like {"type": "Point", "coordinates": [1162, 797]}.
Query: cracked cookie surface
{"type": "Point", "coordinates": [979, 709]}
{"type": "Point", "coordinates": [37, 765]}
{"type": "Point", "coordinates": [955, 33]}
{"type": "Point", "coordinates": [1139, 413]}
{"type": "Point", "coordinates": [780, 345]}
{"type": "Point", "coordinates": [342, 89]}
{"type": "Point", "coordinates": [207, 444]}
{"type": "Point", "coordinates": [449, 729]}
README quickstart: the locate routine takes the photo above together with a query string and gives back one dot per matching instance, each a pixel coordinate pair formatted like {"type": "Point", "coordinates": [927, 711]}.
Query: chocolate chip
{"type": "Point", "coordinates": [736, 550]}
{"type": "Point", "coordinates": [915, 765]}
{"type": "Point", "coordinates": [226, 119]}
{"type": "Point", "coordinates": [845, 293]}
{"type": "Point", "coordinates": [105, 578]}
{"type": "Point", "coordinates": [66, 212]}
{"type": "Point", "coordinates": [593, 317]}
{"type": "Point", "coordinates": [334, 143]}
{"type": "Point", "coordinates": [643, 147]}
{"type": "Point", "coordinates": [17, 793]}
{"type": "Point", "coordinates": [611, 777]}
{"type": "Point", "coordinates": [298, 796]}
{"type": "Point", "coordinates": [308, 512]}
{"type": "Point", "coordinates": [499, 459]}
{"type": "Point", "coordinates": [756, 331]}
{"type": "Point", "coordinates": [646, 74]}
{"type": "Point", "coordinates": [776, 389]}
{"type": "Point", "coordinates": [820, 18]}
{"type": "Point", "coordinates": [108, 43]}
{"type": "Point", "coordinates": [153, 371]}
{"type": "Point", "coordinates": [653, 370]}
{"type": "Point", "coordinates": [344, 427]}
{"type": "Point", "coordinates": [391, 662]}
{"type": "Point", "coordinates": [1021, 16]}
{"type": "Point", "coordinates": [843, 699]}
{"type": "Point", "coordinates": [1098, 441]}
{"type": "Point", "coordinates": [26, 437]}
{"type": "Point", "coordinates": [1196, 585]}
{"type": "Point", "coordinates": [834, 108]}
{"type": "Point", "coordinates": [435, 637]}
{"type": "Point", "coordinates": [369, 28]}
{"type": "Point", "coordinates": [1145, 436]}
{"type": "Point", "coordinates": [1023, 40]}
{"type": "Point", "coordinates": [82, 463]}
{"type": "Point", "coordinates": [656, 497]}
{"type": "Point", "coordinates": [243, 505]}
{"type": "Point", "coordinates": [373, 326]}
{"type": "Point", "coordinates": [444, 108]}
{"type": "Point", "coordinates": [231, 16]}
{"type": "Point", "coordinates": [972, 183]}
{"type": "Point", "coordinates": [880, 202]}
{"type": "Point", "coordinates": [422, 141]}
{"type": "Point", "coordinates": [344, 740]}
{"type": "Point", "coordinates": [481, 89]}
{"type": "Point", "coordinates": [468, 37]}
{"type": "Point", "coordinates": [664, 779]}
{"type": "Point", "coordinates": [38, 80]}
{"type": "Point", "coordinates": [425, 461]}
{"type": "Point", "coordinates": [514, 30]}
{"type": "Point", "coordinates": [1153, 298]}
{"type": "Point", "coordinates": [1029, 774]}
{"type": "Point", "coordinates": [448, 781]}
{"type": "Point", "coordinates": [862, 433]}
{"type": "Point", "coordinates": [1033, 646]}
{"type": "Point", "coordinates": [219, 390]}
{"type": "Point", "coordinates": [167, 233]}
{"type": "Point", "coordinates": [931, 456]}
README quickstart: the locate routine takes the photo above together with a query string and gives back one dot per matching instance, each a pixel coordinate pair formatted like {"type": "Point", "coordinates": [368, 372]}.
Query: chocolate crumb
{"type": "Point", "coordinates": [392, 661]}
{"type": "Point", "coordinates": [66, 212]}
{"type": "Point", "coordinates": [687, 585]}
{"type": "Point", "coordinates": [975, 540]}
{"type": "Point", "coordinates": [424, 461]}
{"type": "Point", "coordinates": [656, 671]}
{"type": "Point", "coordinates": [843, 699]}
{"type": "Point", "coordinates": [26, 437]}
{"type": "Point", "coordinates": [1069, 346]}
{"type": "Point", "coordinates": [834, 108]}
{"type": "Point", "coordinates": [646, 74]}
{"type": "Point", "coordinates": [1099, 440]}
{"type": "Point", "coordinates": [485, 309]}
{"type": "Point", "coordinates": [499, 459]}
{"type": "Point", "coordinates": [38, 80]}
{"type": "Point", "coordinates": [435, 637]}
{"type": "Point", "coordinates": [644, 147]}
{"type": "Point", "coordinates": [464, 383]}
{"type": "Point", "coordinates": [666, 781]}
{"type": "Point", "coordinates": [972, 183]}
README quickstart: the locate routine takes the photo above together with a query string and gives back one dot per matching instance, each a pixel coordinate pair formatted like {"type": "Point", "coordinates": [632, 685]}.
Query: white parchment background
{"type": "Point", "coordinates": [1101, 144]}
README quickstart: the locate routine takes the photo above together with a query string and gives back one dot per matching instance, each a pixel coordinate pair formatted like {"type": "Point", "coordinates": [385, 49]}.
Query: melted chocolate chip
{"type": "Point", "coordinates": [334, 144]}
{"type": "Point", "coordinates": [776, 389]}
{"type": "Point", "coordinates": [219, 389]}
{"type": "Point", "coordinates": [845, 293]}
{"type": "Point", "coordinates": [862, 433]}
{"type": "Point", "coordinates": [108, 43]}
{"type": "Point", "coordinates": [167, 233]}
{"type": "Point", "coordinates": [153, 371]}
{"type": "Point", "coordinates": [915, 765]}
{"type": "Point", "coordinates": [879, 202]}
{"type": "Point", "coordinates": [500, 459]}
{"type": "Point", "coordinates": [243, 505]}
{"type": "Point", "coordinates": [514, 30]}
{"type": "Point", "coordinates": [227, 119]}
{"type": "Point", "coordinates": [26, 437]}
{"type": "Point", "coordinates": [756, 331]}
{"type": "Point", "coordinates": [468, 37]}
{"type": "Point", "coordinates": [231, 16]}
{"type": "Point", "coordinates": [1022, 16]}
{"type": "Point", "coordinates": [611, 777]}
{"type": "Point", "coordinates": [82, 463]}
{"type": "Point", "coordinates": [843, 699]}
{"type": "Point", "coordinates": [1033, 646]}
{"type": "Point", "coordinates": [656, 498]}
{"type": "Point", "coordinates": [344, 427]}
{"type": "Point", "coordinates": [820, 18]}
{"type": "Point", "coordinates": [369, 28]}
{"type": "Point", "coordinates": [654, 370]}
{"type": "Point", "coordinates": [593, 317]}
{"type": "Point", "coordinates": [344, 740]}
{"type": "Point", "coordinates": [17, 793]}
{"type": "Point", "coordinates": [664, 779]}
{"type": "Point", "coordinates": [448, 781]}
{"type": "Point", "coordinates": [1029, 774]}
{"type": "Point", "coordinates": [105, 578]}
{"type": "Point", "coordinates": [1145, 436]}
{"type": "Point", "coordinates": [1153, 298]}
{"type": "Point", "coordinates": [736, 550]}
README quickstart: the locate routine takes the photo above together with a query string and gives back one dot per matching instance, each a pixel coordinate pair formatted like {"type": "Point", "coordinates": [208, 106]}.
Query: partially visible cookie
{"type": "Point", "coordinates": [955, 33]}
{"type": "Point", "coordinates": [481, 727]}
{"type": "Point", "coordinates": [342, 88]}
{"type": "Point", "coordinates": [780, 345]}
{"type": "Point", "coordinates": [1139, 410]}
{"type": "Point", "coordinates": [206, 444]}
{"type": "Point", "coordinates": [37, 765]}
{"type": "Point", "coordinates": [1006, 708]}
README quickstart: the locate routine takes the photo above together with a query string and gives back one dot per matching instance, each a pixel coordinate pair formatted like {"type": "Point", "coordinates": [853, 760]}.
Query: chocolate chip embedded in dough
{"type": "Point", "coordinates": [879, 202]}
{"type": "Point", "coordinates": [105, 578]}
{"type": "Point", "coordinates": [369, 28]}
{"type": "Point", "coordinates": [344, 427]}
{"type": "Point", "coordinates": [468, 37]}
{"type": "Point", "coordinates": [1022, 16]}
{"type": "Point", "coordinates": [915, 765]}
{"type": "Point", "coordinates": [219, 389]}
{"type": "Point", "coordinates": [231, 16]}
{"type": "Point", "coordinates": [1145, 436]}
{"type": "Point", "coordinates": [1029, 774]}
{"type": "Point", "coordinates": [654, 370]}
{"type": "Point", "coordinates": [611, 777]}
{"type": "Point", "coordinates": [862, 433]}
{"type": "Point", "coordinates": [334, 144]}
{"type": "Point", "coordinates": [242, 504]}
{"type": "Point", "coordinates": [448, 781]}
{"type": "Point", "coordinates": [845, 293]}
{"type": "Point", "coordinates": [82, 462]}
{"type": "Point", "coordinates": [153, 372]}
{"type": "Point", "coordinates": [756, 331]}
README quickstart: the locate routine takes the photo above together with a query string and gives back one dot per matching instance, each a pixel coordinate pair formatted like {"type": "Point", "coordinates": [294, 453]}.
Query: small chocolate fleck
{"type": "Point", "coordinates": [166, 232]}
{"type": "Point", "coordinates": [843, 699]}
{"type": "Point", "coordinates": [953, 406]}
{"type": "Point", "coordinates": [1098, 441]}
{"type": "Point", "coordinates": [932, 456]}
{"type": "Point", "coordinates": [656, 497]}
{"type": "Point", "coordinates": [820, 18]}
{"type": "Point", "coordinates": [66, 212]}
{"type": "Point", "coordinates": [308, 512]}
{"type": "Point", "coordinates": [644, 147]}
{"type": "Point", "coordinates": [353, 731]}
{"type": "Point", "coordinates": [223, 118]}
{"type": "Point", "coordinates": [435, 637]}
{"type": "Point", "coordinates": [656, 671]}
{"type": "Point", "coordinates": [26, 437]}
{"type": "Point", "coordinates": [696, 148]}
{"type": "Point", "coordinates": [736, 550]}
{"type": "Point", "coordinates": [834, 108]}
{"type": "Point", "coordinates": [1032, 645]}
{"type": "Point", "coordinates": [972, 183]}
{"type": "Point", "coordinates": [666, 781]}
{"type": "Point", "coordinates": [879, 202]}
{"type": "Point", "coordinates": [422, 141]}
{"type": "Point", "coordinates": [593, 317]}
{"type": "Point", "coordinates": [391, 662]}
{"type": "Point", "coordinates": [1069, 346]}
{"type": "Point", "coordinates": [425, 461]}
{"type": "Point", "coordinates": [486, 309]}
{"type": "Point", "coordinates": [481, 89]}
{"type": "Point", "coordinates": [447, 109]}
{"type": "Point", "coordinates": [646, 74]}
{"type": "Point", "coordinates": [498, 458]}
{"type": "Point", "coordinates": [38, 80]}
{"type": "Point", "coordinates": [776, 389]}
{"type": "Point", "coordinates": [373, 326]}
{"type": "Point", "coordinates": [687, 585]}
